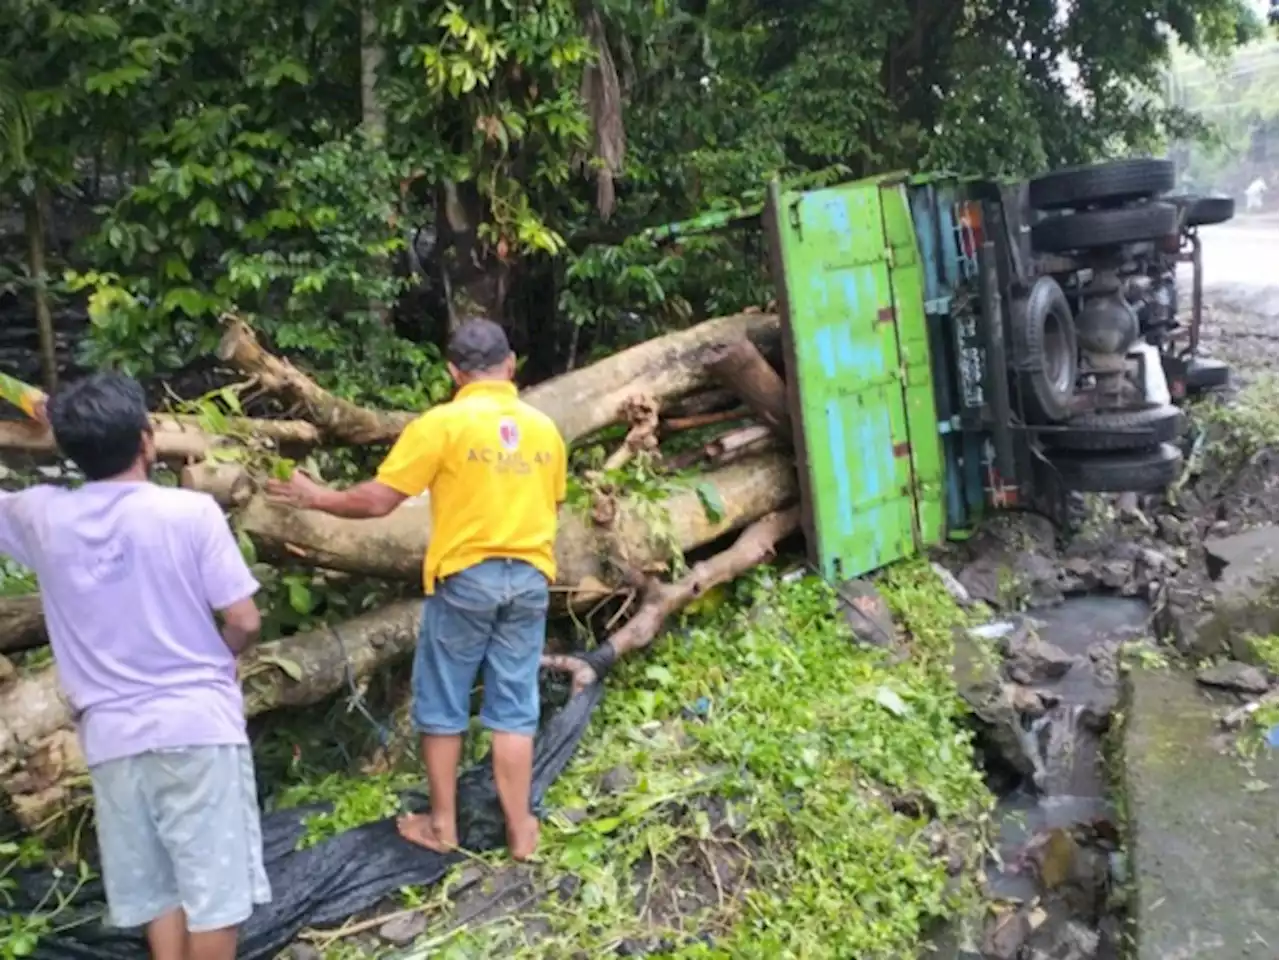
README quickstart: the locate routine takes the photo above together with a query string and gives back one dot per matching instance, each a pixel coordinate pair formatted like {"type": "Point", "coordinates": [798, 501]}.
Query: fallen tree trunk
{"type": "Point", "coordinates": [588, 556]}
{"type": "Point", "coordinates": [588, 399]}
{"type": "Point", "coordinates": [580, 402]}
{"type": "Point", "coordinates": [40, 750]}
{"type": "Point", "coordinates": [393, 546]}
{"type": "Point", "coordinates": [21, 623]}
{"type": "Point", "coordinates": [340, 420]}
{"type": "Point", "coordinates": [702, 402]}
{"type": "Point", "coordinates": [740, 367]}
{"type": "Point", "coordinates": [179, 439]}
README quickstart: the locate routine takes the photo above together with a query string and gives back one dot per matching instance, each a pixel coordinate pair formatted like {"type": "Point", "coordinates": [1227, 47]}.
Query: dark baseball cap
{"type": "Point", "coordinates": [478, 345]}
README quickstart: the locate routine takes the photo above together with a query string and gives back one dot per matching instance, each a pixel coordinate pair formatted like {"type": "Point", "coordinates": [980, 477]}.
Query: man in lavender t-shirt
{"type": "Point", "coordinates": [130, 574]}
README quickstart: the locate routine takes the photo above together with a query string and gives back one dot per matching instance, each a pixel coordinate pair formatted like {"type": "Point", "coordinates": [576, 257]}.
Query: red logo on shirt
{"type": "Point", "coordinates": [508, 434]}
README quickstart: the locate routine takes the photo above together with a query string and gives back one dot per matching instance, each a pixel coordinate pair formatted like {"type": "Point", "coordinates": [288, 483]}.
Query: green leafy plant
{"type": "Point", "coordinates": [20, 933]}
{"type": "Point", "coordinates": [355, 801]}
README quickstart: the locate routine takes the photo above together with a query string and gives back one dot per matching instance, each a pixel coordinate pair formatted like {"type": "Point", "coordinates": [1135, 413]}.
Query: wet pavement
{"type": "Point", "coordinates": [1241, 294]}
{"type": "Point", "coordinates": [1204, 838]}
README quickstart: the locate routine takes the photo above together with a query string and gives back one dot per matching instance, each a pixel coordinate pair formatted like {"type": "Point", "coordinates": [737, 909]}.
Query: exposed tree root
{"type": "Point", "coordinates": [756, 545]}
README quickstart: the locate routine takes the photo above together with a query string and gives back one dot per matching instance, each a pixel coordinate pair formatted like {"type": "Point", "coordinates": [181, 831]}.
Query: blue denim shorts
{"type": "Point", "coordinates": [179, 828]}
{"type": "Point", "coordinates": [488, 620]}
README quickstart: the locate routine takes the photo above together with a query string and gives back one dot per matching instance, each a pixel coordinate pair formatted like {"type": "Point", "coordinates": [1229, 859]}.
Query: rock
{"type": "Point", "coordinates": [1115, 574]}
{"type": "Point", "coordinates": [1234, 675]}
{"type": "Point", "coordinates": [618, 780]}
{"type": "Point", "coordinates": [1006, 934]}
{"type": "Point", "coordinates": [403, 930]}
{"type": "Point", "coordinates": [1054, 855]}
{"type": "Point", "coordinates": [7, 669]}
{"type": "Point", "coordinates": [953, 586]}
{"type": "Point", "coordinates": [1032, 660]}
{"type": "Point", "coordinates": [975, 668]}
{"type": "Point", "coordinates": [1071, 940]}
{"type": "Point", "coordinates": [302, 951]}
{"type": "Point", "coordinates": [1252, 555]}
{"type": "Point", "coordinates": [1028, 701]}
{"type": "Point", "coordinates": [867, 613]}
{"type": "Point", "coordinates": [1243, 599]}
{"type": "Point", "coordinates": [1079, 575]}
{"type": "Point", "coordinates": [1013, 562]}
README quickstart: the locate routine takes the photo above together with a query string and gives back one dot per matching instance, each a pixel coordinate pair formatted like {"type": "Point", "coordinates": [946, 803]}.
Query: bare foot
{"type": "Point", "coordinates": [522, 839]}
{"type": "Point", "coordinates": [422, 829]}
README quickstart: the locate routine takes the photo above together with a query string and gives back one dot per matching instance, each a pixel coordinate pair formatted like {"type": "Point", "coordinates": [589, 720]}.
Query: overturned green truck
{"type": "Point", "coordinates": [956, 345]}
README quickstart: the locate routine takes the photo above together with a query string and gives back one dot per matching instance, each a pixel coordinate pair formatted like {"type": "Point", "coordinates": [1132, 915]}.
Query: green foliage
{"type": "Point", "coordinates": [1265, 651]}
{"type": "Point", "coordinates": [1238, 430]}
{"type": "Point", "coordinates": [20, 933]}
{"type": "Point", "coordinates": [237, 219]}
{"type": "Point", "coordinates": [1237, 99]}
{"type": "Point", "coordinates": [225, 138]}
{"type": "Point", "coordinates": [15, 579]}
{"type": "Point", "coordinates": [354, 801]}
{"type": "Point", "coordinates": [762, 732]}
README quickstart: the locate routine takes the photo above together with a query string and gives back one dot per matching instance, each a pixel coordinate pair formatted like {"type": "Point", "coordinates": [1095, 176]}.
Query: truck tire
{"type": "Point", "coordinates": [1206, 374]}
{"type": "Point", "coordinates": [1121, 181]}
{"type": "Point", "coordinates": [1119, 429]}
{"type": "Point", "coordinates": [1206, 211]}
{"type": "Point", "coordinates": [1133, 471]}
{"type": "Point", "coordinates": [1104, 228]}
{"type": "Point", "coordinates": [1045, 354]}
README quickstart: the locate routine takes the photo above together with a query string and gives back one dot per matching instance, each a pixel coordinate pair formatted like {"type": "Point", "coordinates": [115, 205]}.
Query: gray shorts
{"type": "Point", "coordinates": [179, 828]}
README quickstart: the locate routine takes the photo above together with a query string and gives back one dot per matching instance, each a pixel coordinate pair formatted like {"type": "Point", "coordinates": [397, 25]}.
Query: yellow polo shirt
{"type": "Point", "coordinates": [495, 468]}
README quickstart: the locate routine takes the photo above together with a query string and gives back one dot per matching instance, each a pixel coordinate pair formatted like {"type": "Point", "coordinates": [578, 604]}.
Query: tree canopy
{"type": "Point", "coordinates": [356, 176]}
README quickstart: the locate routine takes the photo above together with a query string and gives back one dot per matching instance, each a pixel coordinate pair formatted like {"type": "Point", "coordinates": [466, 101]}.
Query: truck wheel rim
{"type": "Point", "coordinates": [1057, 362]}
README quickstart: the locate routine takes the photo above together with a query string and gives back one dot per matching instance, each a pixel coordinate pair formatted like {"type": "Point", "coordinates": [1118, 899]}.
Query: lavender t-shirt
{"type": "Point", "coordinates": [130, 574]}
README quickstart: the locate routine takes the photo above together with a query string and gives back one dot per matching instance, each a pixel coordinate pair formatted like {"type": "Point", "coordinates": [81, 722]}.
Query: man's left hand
{"type": "Point", "coordinates": [298, 491]}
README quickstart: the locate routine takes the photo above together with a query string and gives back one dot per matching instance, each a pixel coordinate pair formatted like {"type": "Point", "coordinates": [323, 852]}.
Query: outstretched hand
{"type": "Point", "coordinates": [298, 491]}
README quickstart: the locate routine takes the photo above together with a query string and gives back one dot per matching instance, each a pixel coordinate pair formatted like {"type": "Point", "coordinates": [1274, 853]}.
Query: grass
{"type": "Point", "coordinates": [1239, 430]}
{"type": "Point", "coordinates": [802, 792]}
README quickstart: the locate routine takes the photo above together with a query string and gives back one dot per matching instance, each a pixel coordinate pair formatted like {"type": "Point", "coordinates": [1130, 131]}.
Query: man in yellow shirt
{"type": "Point", "coordinates": [495, 469]}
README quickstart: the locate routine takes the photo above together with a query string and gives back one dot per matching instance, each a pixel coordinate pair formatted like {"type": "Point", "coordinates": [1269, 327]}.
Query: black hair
{"type": "Point", "coordinates": [99, 422]}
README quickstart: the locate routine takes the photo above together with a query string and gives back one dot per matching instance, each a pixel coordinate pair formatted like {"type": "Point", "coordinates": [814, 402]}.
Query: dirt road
{"type": "Point", "coordinates": [1241, 294]}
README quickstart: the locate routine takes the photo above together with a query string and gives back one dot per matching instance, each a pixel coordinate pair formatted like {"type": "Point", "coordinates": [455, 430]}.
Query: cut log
{"type": "Point", "coordinates": [736, 441]}
{"type": "Point", "coordinates": [21, 623]}
{"type": "Point", "coordinates": [740, 367]}
{"type": "Point", "coordinates": [696, 420]}
{"type": "Point", "coordinates": [393, 546]}
{"type": "Point", "coordinates": [726, 448]}
{"type": "Point", "coordinates": [756, 545]}
{"type": "Point", "coordinates": [228, 483]}
{"type": "Point", "coordinates": [591, 398]}
{"type": "Point", "coordinates": [580, 402]}
{"type": "Point", "coordinates": [179, 439]}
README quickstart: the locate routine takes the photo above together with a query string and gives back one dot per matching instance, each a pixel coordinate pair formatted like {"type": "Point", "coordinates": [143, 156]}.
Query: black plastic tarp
{"type": "Point", "coordinates": [327, 883]}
